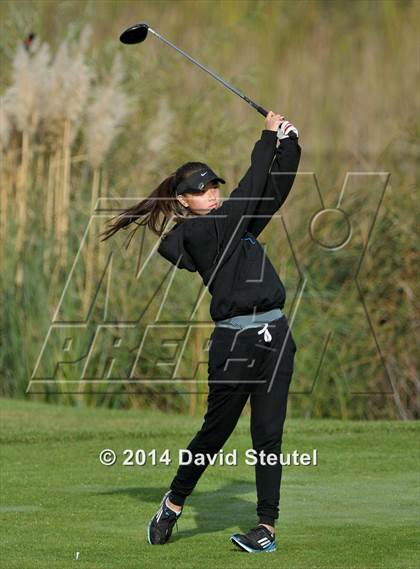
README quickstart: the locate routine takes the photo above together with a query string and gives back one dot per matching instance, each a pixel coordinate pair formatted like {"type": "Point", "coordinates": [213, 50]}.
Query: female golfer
{"type": "Point", "coordinates": [251, 350]}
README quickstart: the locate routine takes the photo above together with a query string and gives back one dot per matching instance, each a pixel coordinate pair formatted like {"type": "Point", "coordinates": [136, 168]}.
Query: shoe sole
{"type": "Point", "coordinates": [248, 549]}
{"type": "Point", "coordinates": [148, 533]}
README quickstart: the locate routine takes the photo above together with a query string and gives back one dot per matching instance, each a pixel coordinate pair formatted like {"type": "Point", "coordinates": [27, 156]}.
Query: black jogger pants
{"type": "Point", "coordinates": [243, 363]}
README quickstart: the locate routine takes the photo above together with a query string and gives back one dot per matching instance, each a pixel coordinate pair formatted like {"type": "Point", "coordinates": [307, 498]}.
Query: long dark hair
{"type": "Point", "coordinates": [158, 208]}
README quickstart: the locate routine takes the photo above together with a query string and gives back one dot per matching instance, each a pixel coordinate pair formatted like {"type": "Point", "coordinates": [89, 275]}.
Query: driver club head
{"type": "Point", "coordinates": [135, 34]}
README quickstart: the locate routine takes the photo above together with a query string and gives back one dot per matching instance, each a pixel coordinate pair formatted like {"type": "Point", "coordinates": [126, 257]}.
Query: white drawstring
{"type": "Point", "coordinates": [267, 335]}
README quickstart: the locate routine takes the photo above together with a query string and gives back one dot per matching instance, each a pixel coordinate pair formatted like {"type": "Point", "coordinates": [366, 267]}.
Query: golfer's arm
{"type": "Point", "coordinates": [243, 201]}
{"type": "Point", "coordinates": [279, 183]}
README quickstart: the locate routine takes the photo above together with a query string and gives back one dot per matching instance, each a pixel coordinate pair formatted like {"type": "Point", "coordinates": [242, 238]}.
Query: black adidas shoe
{"type": "Point", "coordinates": [161, 525]}
{"type": "Point", "coordinates": [257, 540]}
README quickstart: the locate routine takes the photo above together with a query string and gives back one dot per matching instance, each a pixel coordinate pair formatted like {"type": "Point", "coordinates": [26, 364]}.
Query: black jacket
{"type": "Point", "coordinates": [222, 245]}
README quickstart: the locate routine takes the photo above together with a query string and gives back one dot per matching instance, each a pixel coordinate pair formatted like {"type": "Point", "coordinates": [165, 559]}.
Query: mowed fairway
{"type": "Point", "coordinates": [358, 508]}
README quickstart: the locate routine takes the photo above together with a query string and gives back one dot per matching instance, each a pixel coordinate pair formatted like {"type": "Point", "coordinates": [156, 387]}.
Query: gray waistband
{"type": "Point", "coordinates": [247, 320]}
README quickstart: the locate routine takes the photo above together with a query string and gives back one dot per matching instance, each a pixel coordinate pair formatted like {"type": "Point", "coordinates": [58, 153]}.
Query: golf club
{"type": "Point", "coordinates": [138, 33]}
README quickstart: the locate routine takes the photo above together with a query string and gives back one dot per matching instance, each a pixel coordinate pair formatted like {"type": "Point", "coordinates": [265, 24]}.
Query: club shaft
{"type": "Point", "coordinates": [260, 109]}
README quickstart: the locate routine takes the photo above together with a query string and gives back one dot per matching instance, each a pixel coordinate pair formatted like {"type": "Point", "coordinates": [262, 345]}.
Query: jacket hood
{"type": "Point", "coordinates": [173, 249]}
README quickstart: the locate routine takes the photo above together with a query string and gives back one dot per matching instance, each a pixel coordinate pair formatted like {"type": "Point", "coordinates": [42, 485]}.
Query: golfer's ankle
{"type": "Point", "coordinates": [173, 506]}
{"type": "Point", "coordinates": [270, 528]}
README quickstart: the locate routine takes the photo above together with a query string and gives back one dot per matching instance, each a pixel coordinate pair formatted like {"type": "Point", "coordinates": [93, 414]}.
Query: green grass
{"type": "Point", "coordinates": [357, 509]}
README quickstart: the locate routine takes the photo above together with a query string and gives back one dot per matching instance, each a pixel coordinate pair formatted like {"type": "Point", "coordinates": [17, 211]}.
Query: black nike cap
{"type": "Point", "coordinates": [197, 181]}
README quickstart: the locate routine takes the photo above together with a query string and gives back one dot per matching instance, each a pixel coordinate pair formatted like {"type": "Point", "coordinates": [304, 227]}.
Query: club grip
{"type": "Point", "coordinates": [261, 110]}
{"type": "Point", "coordinates": [264, 113]}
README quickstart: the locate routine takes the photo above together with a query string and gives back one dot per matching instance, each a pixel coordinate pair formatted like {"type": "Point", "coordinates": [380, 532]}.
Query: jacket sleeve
{"type": "Point", "coordinates": [235, 213]}
{"type": "Point", "coordinates": [279, 183]}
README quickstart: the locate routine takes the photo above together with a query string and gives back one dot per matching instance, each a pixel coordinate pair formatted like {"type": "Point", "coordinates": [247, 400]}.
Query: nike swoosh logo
{"type": "Point", "coordinates": [204, 173]}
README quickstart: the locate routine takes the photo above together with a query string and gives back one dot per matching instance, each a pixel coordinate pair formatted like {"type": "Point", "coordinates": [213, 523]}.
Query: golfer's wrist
{"type": "Point", "coordinates": [268, 134]}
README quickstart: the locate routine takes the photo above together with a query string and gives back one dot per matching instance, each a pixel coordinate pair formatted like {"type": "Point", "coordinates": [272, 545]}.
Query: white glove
{"type": "Point", "coordinates": [285, 128]}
